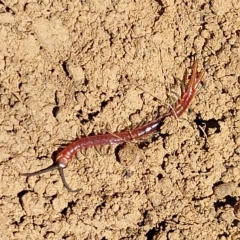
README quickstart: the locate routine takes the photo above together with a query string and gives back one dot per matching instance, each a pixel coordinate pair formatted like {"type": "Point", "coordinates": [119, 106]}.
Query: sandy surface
{"type": "Point", "coordinates": [84, 67]}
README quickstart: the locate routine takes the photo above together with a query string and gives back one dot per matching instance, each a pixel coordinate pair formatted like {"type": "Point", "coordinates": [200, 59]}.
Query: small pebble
{"type": "Point", "coordinates": [224, 190]}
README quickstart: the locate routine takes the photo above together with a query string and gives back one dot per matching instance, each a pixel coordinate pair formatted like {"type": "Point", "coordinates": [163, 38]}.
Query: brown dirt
{"type": "Point", "coordinates": [84, 65]}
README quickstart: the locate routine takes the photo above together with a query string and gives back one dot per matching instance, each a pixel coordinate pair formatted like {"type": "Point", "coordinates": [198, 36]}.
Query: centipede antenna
{"type": "Point", "coordinates": [48, 169]}
{"type": "Point", "coordinates": [64, 181]}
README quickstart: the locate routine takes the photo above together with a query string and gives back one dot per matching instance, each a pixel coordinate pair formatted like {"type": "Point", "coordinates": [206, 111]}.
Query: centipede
{"type": "Point", "coordinates": [65, 156]}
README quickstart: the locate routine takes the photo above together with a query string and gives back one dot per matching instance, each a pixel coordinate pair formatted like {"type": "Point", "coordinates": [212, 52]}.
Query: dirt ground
{"type": "Point", "coordinates": [87, 67]}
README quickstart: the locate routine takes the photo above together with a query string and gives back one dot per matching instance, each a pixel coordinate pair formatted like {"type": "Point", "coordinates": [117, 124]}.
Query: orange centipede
{"type": "Point", "coordinates": [65, 156]}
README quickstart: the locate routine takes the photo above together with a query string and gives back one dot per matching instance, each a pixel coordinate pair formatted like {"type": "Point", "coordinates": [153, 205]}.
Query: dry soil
{"type": "Point", "coordinates": [82, 67]}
